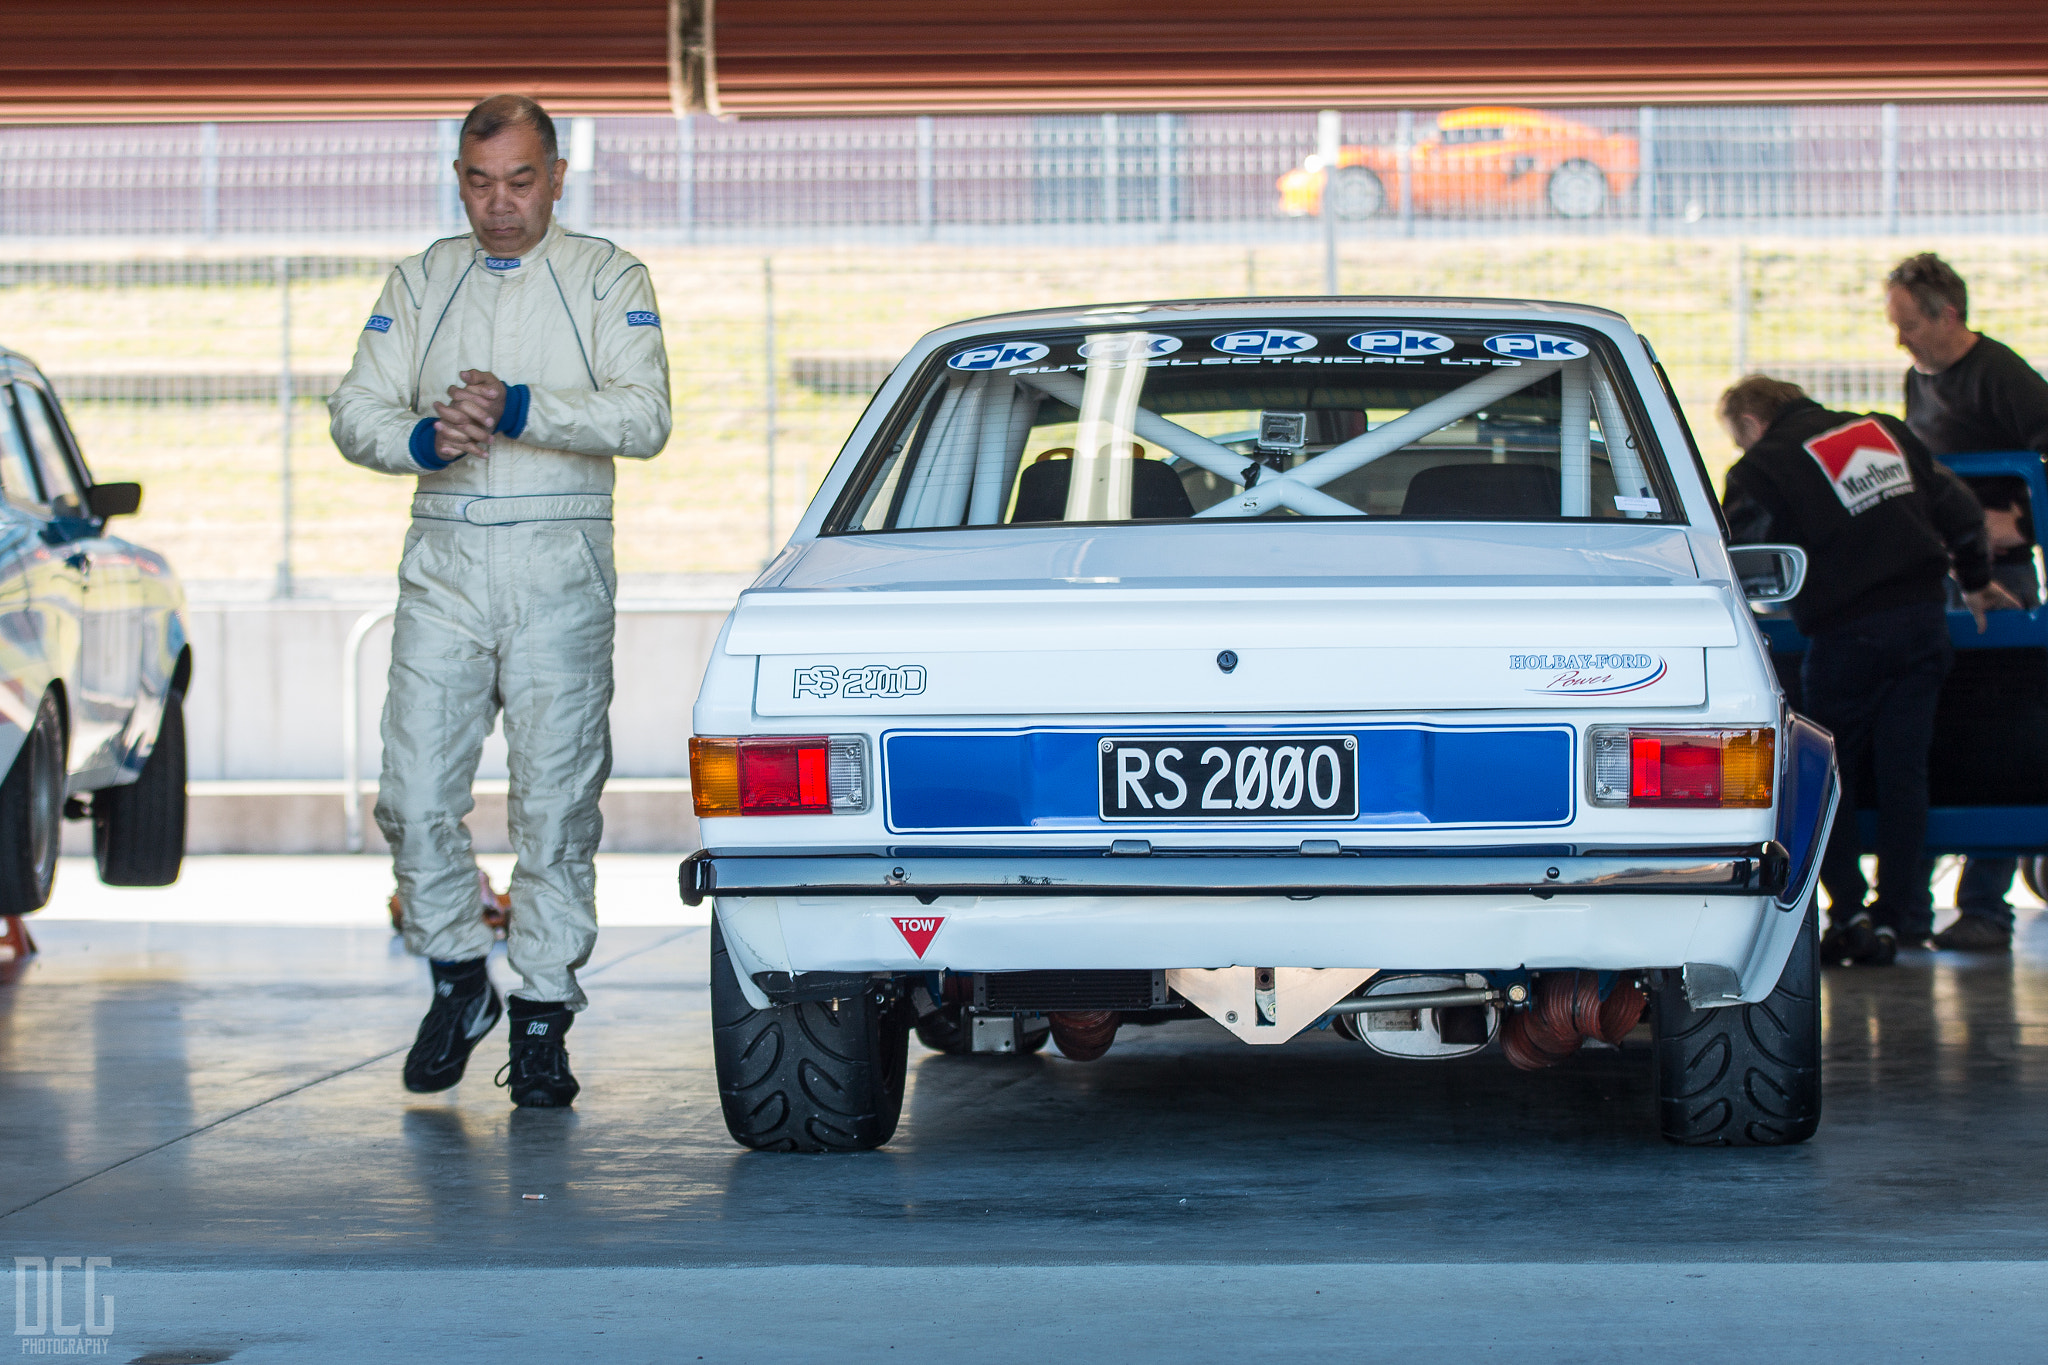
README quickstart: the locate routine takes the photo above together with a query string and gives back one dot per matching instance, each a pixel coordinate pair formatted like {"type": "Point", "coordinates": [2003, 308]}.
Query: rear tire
{"type": "Point", "coordinates": [32, 814]}
{"type": "Point", "coordinates": [138, 830]}
{"type": "Point", "coordinates": [1742, 1075]}
{"type": "Point", "coordinates": [1355, 193]}
{"type": "Point", "coordinates": [806, 1077]}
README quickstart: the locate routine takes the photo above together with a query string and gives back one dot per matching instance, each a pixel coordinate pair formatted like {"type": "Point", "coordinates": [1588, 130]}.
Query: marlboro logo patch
{"type": "Point", "coordinates": [1863, 462]}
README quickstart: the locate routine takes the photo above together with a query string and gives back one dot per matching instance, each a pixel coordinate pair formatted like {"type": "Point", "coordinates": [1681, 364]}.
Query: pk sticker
{"type": "Point", "coordinates": [999, 355]}
{"type": "Point", "coordinates": [1537, 346]}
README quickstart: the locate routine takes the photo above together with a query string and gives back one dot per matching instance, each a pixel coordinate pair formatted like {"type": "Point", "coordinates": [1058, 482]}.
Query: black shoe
{"type": "Point", "coordinates": [1846, 943]}
{"type": "Point", "coordinates": [1860, 943]}
{"type": "Point", "coordinates": [538, 1073]}
{"type": "Point", "coordinates": [1974, 934]}
{"type": "Point", "coordinates": [465, 1008]}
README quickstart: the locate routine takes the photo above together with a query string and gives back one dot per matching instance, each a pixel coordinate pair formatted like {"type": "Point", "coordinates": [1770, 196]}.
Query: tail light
{"type": "Point", "coordinates": [1711, 769]}
{"type": "Point", "coordinates": [779, 775]}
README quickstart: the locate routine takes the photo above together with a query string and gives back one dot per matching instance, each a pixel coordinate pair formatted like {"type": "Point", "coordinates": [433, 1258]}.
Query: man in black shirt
{"type": "Point", "coordinates": [1967, 392]}
{"type": "Point", "coordinates": [1882, 526]}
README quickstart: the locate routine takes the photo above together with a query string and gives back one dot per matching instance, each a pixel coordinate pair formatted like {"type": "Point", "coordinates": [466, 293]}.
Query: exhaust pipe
{"type": "Point", "coordinates": [1565, 1011]}
{"type": "Point", "coordinates": [1084, 1035]}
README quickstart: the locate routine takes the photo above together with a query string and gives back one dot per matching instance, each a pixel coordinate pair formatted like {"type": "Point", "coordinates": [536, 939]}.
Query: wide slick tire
{"type": "Point", "coordinates": [138, 830]}
{"type": "Point", "coordinates": [1742, 1075]}
{"type": "Point", "coordinates": [806, 1077]}
{"type": "Point", "coordinates": [32, 813]}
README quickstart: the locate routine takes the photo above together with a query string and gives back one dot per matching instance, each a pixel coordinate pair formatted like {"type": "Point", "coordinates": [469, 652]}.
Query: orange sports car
{"type": "Point", "coordinates": [1479, 160]}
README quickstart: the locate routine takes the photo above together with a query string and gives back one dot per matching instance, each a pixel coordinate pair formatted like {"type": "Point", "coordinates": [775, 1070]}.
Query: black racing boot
{"type": "Point", "coordinates": [538, 1074]}
{"type": "Point", "coordinates": [1974, 934]}
{"type": "Point", "coordinates": [465, 1007]}
{"type": "Point", "coordinates": [1860, 943]}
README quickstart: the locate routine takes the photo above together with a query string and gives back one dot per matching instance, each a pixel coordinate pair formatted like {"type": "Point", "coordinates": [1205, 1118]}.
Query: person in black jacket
{"type": "Point", "coordinates": [1966, 392]}
{"type": "Point", "coordinates": [1882, 526]}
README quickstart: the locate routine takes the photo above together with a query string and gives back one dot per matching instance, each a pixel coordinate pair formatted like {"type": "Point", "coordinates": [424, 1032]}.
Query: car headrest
{"type": "Point", "coordinates": [1487, 492]}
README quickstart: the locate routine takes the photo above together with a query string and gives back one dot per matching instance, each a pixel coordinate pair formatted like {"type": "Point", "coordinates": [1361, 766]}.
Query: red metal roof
{"type": "Point", "coordinates": [190, 59]}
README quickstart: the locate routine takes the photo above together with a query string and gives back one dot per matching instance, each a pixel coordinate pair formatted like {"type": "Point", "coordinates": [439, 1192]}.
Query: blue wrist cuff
{"type": "Point", "coordinates": [422, 447]}
{"type": "Point", "coordinates": [513, 420]}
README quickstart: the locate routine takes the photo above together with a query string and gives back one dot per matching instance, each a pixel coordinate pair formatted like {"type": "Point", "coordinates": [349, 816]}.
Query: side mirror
{"type": "Point", "coordinates": [1770, 574]}
{"type": "Point", "coordinates": [105, 500]}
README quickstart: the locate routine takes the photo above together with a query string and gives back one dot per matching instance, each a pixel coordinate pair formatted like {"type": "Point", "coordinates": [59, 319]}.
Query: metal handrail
{"type": "Point", "coordinates": [351, 703]}
{"type": "Point", "coordinates": [351, 726]}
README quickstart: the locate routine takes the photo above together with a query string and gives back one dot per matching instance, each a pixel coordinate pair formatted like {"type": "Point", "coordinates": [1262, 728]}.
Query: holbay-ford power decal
{"type": "Point", "coordinates": [1589, 675]}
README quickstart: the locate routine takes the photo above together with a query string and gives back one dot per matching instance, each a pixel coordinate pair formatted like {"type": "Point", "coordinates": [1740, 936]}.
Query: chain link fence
{"type": "Point", "coordinates": [1689, 169]}
{"type": "Point", "coordinates": [197, 292]}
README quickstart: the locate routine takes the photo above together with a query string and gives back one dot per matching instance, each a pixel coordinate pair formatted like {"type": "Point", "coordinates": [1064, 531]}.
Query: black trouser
{"type": "Point", "coordinates": [1875, 682]}
{"type": "Point", "coordinates": [1981, 890]}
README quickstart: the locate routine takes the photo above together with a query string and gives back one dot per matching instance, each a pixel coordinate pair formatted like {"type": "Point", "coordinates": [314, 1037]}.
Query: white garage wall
{"type": "Point", "coordinates": [266, 693]}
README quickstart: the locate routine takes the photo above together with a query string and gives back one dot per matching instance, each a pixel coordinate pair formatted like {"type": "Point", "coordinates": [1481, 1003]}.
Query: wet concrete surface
{"type": "Point", "coordinates": [220, 1106]}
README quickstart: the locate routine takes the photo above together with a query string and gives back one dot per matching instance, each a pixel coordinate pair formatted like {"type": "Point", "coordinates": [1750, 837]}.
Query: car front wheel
{"type": "Point", "coordinates": [1578, 189]}
{"type": "Point", "coordinates": [1742, 1075]}
{"type": "Point", "coordinates": [32, 813]}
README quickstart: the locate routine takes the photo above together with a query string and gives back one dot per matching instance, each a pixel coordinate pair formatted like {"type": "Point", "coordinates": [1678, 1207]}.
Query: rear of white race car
{"type": "Point", "coordinates": [1037, 778]}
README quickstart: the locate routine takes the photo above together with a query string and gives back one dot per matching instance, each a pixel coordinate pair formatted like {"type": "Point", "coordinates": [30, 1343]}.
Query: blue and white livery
{"type": "Point", "coordinates": [1367, 665]}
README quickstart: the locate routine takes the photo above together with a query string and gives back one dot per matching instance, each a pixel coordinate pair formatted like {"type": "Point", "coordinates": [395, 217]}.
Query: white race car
{"type": "Point", "coordinates": [94, 663]}
{"type": "Point", "coordinates": [1367, 664]}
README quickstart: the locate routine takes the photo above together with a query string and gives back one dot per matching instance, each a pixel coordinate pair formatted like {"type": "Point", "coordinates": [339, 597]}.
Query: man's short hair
{"type": "Point", "coordinates": [492, 116]}
{"type": "Point", "coordinates": [1758, 396]}
{"type": "Point", "coordinates": [1933, 283]}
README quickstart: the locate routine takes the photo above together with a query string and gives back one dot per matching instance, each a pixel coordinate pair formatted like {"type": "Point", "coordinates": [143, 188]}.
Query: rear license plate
{"type": "Point", "coordinates": [1245, 777]}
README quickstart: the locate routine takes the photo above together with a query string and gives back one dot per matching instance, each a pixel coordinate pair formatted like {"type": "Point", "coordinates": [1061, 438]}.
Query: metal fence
{"type": "Point", "coordinates": [1792, 168]}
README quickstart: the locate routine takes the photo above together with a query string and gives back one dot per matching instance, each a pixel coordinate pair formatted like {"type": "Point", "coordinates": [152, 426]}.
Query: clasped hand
{"type": "Point", "coordinates": [465, 422]}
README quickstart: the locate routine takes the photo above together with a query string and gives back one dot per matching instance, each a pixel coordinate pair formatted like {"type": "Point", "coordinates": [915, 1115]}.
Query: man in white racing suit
{"type": "Point", "coordinates": [505, 370]}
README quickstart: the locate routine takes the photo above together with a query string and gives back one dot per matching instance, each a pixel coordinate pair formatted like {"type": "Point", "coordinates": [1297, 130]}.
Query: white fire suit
{"type": "Point", "coordinates": [505, 586]}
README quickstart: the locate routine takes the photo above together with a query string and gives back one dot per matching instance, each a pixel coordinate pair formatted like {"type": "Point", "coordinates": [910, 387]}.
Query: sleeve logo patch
{"type": "Point", "coordinates": [641, 319]}
{"type": "Point", "coordinates": [1863, 464]}
{"type": "Point", "coordinates": [377, 323]}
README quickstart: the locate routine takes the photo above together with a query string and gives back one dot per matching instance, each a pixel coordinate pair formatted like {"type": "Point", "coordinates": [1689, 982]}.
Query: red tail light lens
{"type": "Point", "coordinates": [1717, 769]}
{"type": "Point", "coordinates": [777, 775]}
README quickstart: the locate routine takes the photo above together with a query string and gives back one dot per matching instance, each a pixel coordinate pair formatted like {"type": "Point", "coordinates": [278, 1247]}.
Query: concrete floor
{"type": "Point", "coordinates": [216, 1107]}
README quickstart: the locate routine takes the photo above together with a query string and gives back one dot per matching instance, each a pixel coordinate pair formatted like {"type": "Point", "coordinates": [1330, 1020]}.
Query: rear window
{"type": "Point", "coordinates": [1442, 422]}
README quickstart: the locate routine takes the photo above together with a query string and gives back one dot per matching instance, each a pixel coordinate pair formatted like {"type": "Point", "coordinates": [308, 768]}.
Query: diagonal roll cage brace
{"type": "Point", "coordinates": [1300, 489]}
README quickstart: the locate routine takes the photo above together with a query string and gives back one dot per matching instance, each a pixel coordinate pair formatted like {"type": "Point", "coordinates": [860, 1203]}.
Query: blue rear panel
{"type": "Point", "coordinates": [1409, 776]}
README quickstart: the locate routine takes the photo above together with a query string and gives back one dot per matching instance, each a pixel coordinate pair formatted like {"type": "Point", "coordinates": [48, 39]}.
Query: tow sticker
{"type": "Point", "coordinates": [918, 931]}
{"type": "Point", "coordinates": [1863, 463]}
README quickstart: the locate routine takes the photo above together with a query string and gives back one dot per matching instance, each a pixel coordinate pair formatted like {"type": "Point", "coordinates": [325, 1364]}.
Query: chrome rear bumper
{"type": "Point", "coordinates": [1750, 870]}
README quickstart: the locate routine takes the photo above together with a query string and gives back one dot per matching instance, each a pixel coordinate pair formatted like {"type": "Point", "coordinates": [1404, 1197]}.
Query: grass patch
{"type": "Point", "coordinates": [212, 471]}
